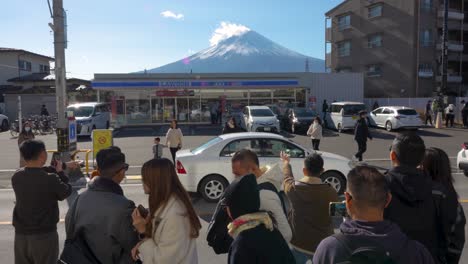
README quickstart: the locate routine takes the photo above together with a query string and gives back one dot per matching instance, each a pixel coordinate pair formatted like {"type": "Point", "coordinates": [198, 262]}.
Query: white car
{"type": "Point", "coordinates": [395, 117]}
{"type": "Point", "coordinates": [207, 168]}
{"type": "Point", "coordinates": [4, 123]}
{"type": "Point", "coordinates": [462, 159]}
{"type": "Point", "coordinates": [261, 119]}
{"type": "Point", "coordinates": [90, 116]}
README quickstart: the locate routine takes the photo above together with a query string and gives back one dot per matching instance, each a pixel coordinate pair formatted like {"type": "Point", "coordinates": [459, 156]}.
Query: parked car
{"type": "Point", "coordinates": [395, 117]}
{"type": "Point", "coordinates": [207, 168]}
{"type": "Point", "coordinates": [261, 119]}
{"type": "Point", "coordinates": [462, 159]}
{"type": "Point", "coordinates": [90, 116]}
{"type": "Point", "coordinates": [343, 115]}
{"type": "Point", "coordinates": [299, 119]}
{"type": "Point", "coordinates": [4, 123]}
{"type": "Point", "coordinates": [281, 115]}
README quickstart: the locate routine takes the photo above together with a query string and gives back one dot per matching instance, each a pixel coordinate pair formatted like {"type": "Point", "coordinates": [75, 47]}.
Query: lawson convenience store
{"type": "Point", "coordinates": [138, 99]}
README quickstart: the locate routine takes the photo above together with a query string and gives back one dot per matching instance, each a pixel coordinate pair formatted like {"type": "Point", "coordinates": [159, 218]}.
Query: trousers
{"type": "Point", "coordinates": [36, 249]}
{"type": "Point", "coordinates": [362, 148]}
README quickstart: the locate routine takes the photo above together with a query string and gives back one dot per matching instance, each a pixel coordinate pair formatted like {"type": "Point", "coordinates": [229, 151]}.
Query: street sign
{"type": "Point", "coordinates": [102, 138]}
{"type": "Point", "coordinates": [72, 137]}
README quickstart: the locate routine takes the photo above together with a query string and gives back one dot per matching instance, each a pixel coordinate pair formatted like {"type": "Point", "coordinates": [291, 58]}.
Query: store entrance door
{"type": "Point", "coordinates": [169, 111]}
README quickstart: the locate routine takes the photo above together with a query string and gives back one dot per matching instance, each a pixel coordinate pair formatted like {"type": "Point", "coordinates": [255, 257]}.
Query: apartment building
{"type": "Point", "coordinates": [19, 63]}
{"type": "Point", "coordinates": [397, 45]}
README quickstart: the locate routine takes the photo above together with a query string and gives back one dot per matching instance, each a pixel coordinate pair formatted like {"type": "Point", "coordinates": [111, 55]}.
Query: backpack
{"type": "Point", "coordinates": [217, 236]}
{"type": "Point", "coordinates": [364, 251]}
{"type": "Point", "coordinates": [270, 187]}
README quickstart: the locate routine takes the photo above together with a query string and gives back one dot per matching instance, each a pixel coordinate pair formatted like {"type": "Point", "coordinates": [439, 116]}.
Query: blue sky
{"type": "Point", "coordinates": [111, 36]}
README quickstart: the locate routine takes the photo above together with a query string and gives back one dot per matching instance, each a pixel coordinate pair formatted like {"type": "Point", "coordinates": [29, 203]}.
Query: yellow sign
{"type": "Point", "coordinates": [102, 138]}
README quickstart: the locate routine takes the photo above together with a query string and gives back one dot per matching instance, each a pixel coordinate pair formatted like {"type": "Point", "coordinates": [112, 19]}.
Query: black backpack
{"type": "Point", "coordinates": [364, 251]}
{"type": "Point", "coordinates": [218, 237]}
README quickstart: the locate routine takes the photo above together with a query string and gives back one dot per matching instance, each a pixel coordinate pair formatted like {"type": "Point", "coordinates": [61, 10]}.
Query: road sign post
{"type": "Point", "coordinates": [102, 138]}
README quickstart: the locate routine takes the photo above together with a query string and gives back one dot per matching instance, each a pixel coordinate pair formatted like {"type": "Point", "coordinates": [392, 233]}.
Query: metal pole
{"type": "Point", "coordinates": [60, 77]}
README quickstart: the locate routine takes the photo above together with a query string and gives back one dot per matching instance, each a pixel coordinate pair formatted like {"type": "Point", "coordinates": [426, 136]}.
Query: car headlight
{"type": "Point", "coordinates": [277, 121]}
{"type": "Point", "coordinates": [352, 164]}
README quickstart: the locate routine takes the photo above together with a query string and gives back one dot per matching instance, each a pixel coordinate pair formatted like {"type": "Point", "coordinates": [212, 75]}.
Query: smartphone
{"type": "Point", "coordinates": [143, 211]}
{"type": "Point", "coordinates": [338, 209]}
{"type": "Point", "coordinates": [56, 157]}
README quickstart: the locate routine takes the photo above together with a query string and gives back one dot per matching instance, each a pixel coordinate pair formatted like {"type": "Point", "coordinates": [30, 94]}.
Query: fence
{"type": "Point", "coordinates": [419, 104]}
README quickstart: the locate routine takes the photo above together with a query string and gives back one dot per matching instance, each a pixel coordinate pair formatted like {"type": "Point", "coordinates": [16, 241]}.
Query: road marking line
{"type": "Point", "coordinates": [10, 223]}
{"type": "Point", "coordinates": [133, 177]}
{"type": "Point", "coordinates": [464, 201]}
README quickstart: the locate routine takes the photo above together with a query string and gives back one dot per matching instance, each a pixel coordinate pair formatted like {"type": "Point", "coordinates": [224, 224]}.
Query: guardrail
{"type": "Point", "coordinates": [73, 156]}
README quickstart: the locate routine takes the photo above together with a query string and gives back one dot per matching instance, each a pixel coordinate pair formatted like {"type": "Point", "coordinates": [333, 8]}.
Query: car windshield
{"type": "Point", "coordinates": [304, 113]}
{"type": "Point", "coordinates": [261, 112]}
{"type": "Point", "coordinates": [353, 109]}
{"type": "Point", "coordinates": [206, 145]}
{"type": "Point", "coordinates": [83, 111]}
{"type": "Point", "coordinates": [407, 112]}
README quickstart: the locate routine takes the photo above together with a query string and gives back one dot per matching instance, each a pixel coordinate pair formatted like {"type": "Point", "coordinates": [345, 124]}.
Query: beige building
{"type": "Point", "coordinates": [19, 63]}
{"type": "Point", "coordinates": [396, 44]}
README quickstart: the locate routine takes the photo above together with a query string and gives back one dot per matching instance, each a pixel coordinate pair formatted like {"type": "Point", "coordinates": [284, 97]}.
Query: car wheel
{"type": "Point", "coordinates": [339, 128]}
{"type": "Point", "coordinates": [335, 180]}
{"type": "Point", "coordinates": [466, 173]}
{"type": "Point", "coordinates": [212, 188]}
{"type": "Point", "coordinates": [388, 126]}
{"type": "Point", "coordinates": [4, 125]}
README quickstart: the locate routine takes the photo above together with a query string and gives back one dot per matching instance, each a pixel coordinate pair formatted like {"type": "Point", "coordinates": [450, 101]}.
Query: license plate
{"type": "Point", "coordinates": [267, 129]}
{"type": "Point", "coordinates": [355, 117]}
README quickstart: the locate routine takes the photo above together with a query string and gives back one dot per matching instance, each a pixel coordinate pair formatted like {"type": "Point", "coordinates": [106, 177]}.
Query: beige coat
{"type": "Point", "coordinates": [171, 242]}
{"type": "Point", "coordinates": [174, 138]}
{"type": "Point", "coordinates": [315, 131]}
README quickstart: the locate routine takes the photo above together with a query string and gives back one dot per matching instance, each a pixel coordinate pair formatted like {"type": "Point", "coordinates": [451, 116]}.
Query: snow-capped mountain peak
{"type": "Point", "coordinates": [247, 51]}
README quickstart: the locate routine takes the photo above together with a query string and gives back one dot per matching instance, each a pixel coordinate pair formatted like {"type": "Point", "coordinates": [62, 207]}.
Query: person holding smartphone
{"type": "Point", "coordinates": [172, 226]}
{"type": "Point", "coordinates": [174, 138]}
{"type": "Point", "coordinates": [309, 198]}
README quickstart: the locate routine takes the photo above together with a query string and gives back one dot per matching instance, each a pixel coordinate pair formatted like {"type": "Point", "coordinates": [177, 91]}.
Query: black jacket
{"type": "Point", "coordinates": [386, 234]}
{"type": "Point", "coordinates": [37, 194]}
{"type": "Point", "coordinates": [417, 206]}
{"type": "Point", "coordinates": [259, 245]}
{"type": "Point", "coordinates": [361, 131]}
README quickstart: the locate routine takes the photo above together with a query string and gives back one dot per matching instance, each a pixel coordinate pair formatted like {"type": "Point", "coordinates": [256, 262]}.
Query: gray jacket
{"type": "Point", "coordinates": [104, 214]}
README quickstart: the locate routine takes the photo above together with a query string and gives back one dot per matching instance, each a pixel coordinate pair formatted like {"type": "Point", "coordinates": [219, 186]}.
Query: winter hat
{"type": "Point", "coordinates": [242, 196]}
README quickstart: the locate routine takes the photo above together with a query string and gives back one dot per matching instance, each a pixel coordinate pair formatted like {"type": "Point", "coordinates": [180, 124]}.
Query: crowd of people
{"type": "Point", "coordinates": [410, 214]}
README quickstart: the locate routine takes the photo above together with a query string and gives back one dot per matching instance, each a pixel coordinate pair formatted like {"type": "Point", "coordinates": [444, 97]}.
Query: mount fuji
{"type": "Point", "coordinates": [247, 52]}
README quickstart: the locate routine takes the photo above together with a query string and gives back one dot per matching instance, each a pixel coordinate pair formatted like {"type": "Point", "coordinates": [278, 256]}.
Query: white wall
{"type": "Point", "coordinates": [9, 65]}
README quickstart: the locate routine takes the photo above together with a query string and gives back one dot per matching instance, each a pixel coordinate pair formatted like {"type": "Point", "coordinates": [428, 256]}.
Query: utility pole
{"type": "Point", "coordinates": [442, 89]}
{"type": "Point", "coordinates": [60, 78]}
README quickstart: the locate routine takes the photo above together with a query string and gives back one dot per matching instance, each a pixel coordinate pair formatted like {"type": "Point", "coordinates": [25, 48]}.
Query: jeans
{"type": "Point", "coordinates": [449, 118]}
{"type": "Point", "coordinates": [428, 119]}
{"type": "Point", "coordinates": [315, 144]}
{"type": "Point", "coordinates": [301, 258]}
{"type": "Point", "coordinates": [362, 147]}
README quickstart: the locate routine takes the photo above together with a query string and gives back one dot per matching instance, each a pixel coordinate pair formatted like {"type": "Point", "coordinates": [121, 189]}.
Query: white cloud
{"type": "Point", "coordinates": [227, 30]}
{"type": "Point", "coordinates": [170, 14]}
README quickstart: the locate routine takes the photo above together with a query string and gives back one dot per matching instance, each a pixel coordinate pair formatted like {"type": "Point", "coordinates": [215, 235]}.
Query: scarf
{"type": "Point", "coordinates": [249, 221]}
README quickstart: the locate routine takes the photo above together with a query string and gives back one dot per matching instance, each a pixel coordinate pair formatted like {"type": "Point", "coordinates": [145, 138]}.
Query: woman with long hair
{"type": "Point", "coordinates": [26, 134]}
{"type": "Point", "coordinates": [174, 138]}
{"type": "Point", "coordinates": [436, 164]}
{"type": "Point", "coordinates": [172, 226]}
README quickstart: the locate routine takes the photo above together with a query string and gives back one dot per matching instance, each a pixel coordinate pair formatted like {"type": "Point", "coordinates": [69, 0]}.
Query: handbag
{"type": "Point", "coordinates": [76, 250]}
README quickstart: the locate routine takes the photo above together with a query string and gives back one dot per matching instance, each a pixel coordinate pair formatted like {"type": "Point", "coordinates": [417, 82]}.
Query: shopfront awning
{"type": "Point", "coordinates": [117, 85]}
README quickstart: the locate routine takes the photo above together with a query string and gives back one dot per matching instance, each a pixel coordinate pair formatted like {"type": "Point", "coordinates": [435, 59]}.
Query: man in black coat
{"type": "Point", "coordinates": [361, 134]}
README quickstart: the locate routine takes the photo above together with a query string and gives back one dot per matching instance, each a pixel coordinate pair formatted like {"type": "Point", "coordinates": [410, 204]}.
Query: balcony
{"type": "Point", "coordinates": [453, 14]}
{"type": "Point", "coordinates": [425, 73]}
{"type": "Point", "coordinates": [451, 78]}
{"type": "Point", "coordinates": [452, 46]}
{"type": "Point", "coordinates": [328, 60]}
{"type": "Point", "coordinates": [328, 34]}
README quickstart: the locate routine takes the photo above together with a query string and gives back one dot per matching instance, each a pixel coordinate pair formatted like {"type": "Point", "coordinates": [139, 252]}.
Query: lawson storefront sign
{"type": "Point", "coordinates": [108, 85]}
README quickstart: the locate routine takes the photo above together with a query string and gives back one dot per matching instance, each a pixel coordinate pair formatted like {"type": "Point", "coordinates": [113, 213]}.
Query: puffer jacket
{"type": "Point", "coordinates": [269, 201]}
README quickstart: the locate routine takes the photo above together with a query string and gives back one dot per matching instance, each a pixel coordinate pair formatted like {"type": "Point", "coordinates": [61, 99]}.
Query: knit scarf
{"type": "Point", "coordinates": [249, 221]}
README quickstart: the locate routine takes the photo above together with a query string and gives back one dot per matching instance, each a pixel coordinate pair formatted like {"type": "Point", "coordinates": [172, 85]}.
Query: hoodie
{"type": "Point", "coordinates": [269, 201]}
{"type": "Point", "coordinates": [385, 233]}
{"type": "Point", "coordinates": [412, 206]}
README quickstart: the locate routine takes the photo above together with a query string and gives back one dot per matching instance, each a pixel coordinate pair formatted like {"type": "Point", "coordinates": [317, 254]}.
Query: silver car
{"type": "Point", "coordinates": [395, 117]}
